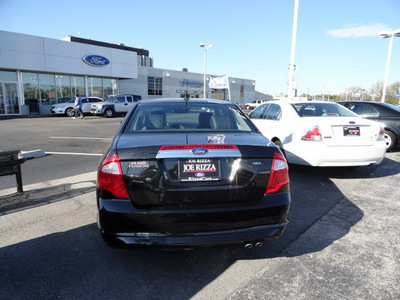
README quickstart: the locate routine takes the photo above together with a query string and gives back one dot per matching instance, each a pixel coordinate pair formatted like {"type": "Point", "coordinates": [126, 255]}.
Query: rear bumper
{"type": "Point", "coordinates": [122, 224]}
{"type": "Point", "coordinates": [319, 155]}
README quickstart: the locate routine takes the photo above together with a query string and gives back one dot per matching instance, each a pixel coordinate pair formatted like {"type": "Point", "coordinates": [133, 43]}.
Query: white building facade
{"type": "Point", "coordinates": [36, 72]}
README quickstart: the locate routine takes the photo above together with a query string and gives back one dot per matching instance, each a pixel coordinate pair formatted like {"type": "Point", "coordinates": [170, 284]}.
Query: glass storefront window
{"type": "Point", "coordinates": [95, 86]}
{"type": "Point", "coordinates": [2, 102]}
{"type": "Point", "coordinates": [63, 88]}
{"type": "Point", "coordinates": [50, 89]}
{"type": "Point", "coordinates": [109, 87]}
{"type": "Point", "coordinates": [30, 86]}
{"type": "Point", "coordinates": [47, 89]}
{"type": "Point", "coordinates": [78, 85]}
{"type": "Point", "coordinates": [8, 76]}
{"type": "Point", "coordinates": [11, 95]}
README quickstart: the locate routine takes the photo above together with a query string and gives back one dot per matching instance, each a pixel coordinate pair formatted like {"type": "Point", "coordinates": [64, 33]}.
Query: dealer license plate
{"type": "Point", "coordinates": [351, 131]}
{"type": "Point", "coordinates": [199, 169]}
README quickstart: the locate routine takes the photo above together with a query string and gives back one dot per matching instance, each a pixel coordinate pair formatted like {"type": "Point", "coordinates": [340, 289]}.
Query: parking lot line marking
{"type": "Point", "coordinates": [74, 153]}
{"type": "Point", "coordinates": [78, 138]}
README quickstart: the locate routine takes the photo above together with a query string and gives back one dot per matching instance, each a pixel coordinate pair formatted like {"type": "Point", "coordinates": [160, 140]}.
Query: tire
{"type": "Point", "coordinates": [390, 140]}
{"type": "Point", "coordinates": [109, 113]}
{"type": "Point", "coordinates": [69, 112]}
{"type": "Point", "coordinates": [280, 146]}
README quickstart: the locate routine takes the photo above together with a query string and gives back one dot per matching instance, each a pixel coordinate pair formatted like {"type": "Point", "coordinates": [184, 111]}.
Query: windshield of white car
{"type": "Point", "coordinates": [312, 109]}
{"type": "Point", "coordinates": [188, 117]}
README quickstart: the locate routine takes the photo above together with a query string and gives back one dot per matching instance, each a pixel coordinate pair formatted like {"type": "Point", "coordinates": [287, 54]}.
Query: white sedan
{"type": "Point", "coordinates": [67, 108]}
{"type": "Point", "coordinates": [320, 134]}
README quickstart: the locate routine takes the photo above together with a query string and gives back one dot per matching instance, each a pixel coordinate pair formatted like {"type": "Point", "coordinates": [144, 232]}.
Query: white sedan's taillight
{"type": "Point", "coordinates": [312, 135]}
{"type": "Point", "coordinates": [110, 177]}
{"type": "Point", "coordinates": [279, 174]}
{"type": "Point", "coordinates": [381, 133]}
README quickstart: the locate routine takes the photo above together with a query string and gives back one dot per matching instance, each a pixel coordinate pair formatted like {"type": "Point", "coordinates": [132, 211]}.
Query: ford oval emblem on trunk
{"type": "Point", "coordinates": [95, 60]}
{"type": "Point", "coordinates": [352, 122]}
{"type": "Point", "coordinates": [199, 151]}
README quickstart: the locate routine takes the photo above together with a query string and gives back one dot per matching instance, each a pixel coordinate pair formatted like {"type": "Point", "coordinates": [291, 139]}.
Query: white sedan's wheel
{"type": "Point", "coordinates": [280, 146]}
{"type": "Point", "coordinates": [69, 112]}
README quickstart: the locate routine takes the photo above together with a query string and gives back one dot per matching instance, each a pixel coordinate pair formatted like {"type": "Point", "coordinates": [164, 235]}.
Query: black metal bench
{"type": "Point", "coordinates": [10, 164]}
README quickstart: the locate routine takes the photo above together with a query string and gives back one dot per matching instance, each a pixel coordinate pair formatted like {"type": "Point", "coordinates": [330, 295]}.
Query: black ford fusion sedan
{"type": "Point", "coordinates": [191, 174]}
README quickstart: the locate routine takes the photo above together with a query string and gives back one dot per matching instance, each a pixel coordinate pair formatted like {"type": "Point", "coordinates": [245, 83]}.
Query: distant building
{"type": "Point", "coordinates": [262, 96]}
{"type": "Point", "coordinates": [36, 72]}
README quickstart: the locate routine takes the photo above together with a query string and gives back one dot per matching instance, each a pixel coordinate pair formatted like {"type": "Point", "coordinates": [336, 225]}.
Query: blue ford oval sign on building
{"type": "Point", "coordinates": [96, 60]}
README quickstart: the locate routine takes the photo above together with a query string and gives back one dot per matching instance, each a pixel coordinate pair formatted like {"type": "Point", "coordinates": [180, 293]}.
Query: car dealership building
{"type": "Point", "coordinates": [36, 72]}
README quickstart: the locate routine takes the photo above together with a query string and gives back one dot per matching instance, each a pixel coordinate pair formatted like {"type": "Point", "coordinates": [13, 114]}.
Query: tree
{"type": "Point", "coordinates": [391, 93]}
{"type": "Point", "coordinates": [376, 91]}
{"type": "Point", "coordinates": [349, 94]}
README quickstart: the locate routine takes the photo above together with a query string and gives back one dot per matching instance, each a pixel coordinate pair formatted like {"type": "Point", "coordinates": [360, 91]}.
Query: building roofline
{"type": "Point", "coordinates": [108, 45]}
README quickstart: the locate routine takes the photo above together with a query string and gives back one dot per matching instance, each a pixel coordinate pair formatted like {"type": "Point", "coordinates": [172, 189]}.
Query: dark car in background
{"type": "Point", "coordinates": [189, 174]}
{"type": "Point", "coordinates": [387, 114]}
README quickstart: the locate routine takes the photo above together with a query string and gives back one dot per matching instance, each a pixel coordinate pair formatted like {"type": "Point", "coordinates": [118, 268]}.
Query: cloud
{"type": "Point", "coordinates": [360, 31]}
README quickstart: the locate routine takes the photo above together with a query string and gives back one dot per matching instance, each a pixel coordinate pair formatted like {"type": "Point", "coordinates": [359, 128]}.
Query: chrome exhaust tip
{"type": "Point", "coordinates": [248, 245]}
{"type": "Point", "coordinates": [258, 244]}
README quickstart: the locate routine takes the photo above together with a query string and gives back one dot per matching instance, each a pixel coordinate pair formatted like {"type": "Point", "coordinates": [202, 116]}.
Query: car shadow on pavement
{"type": "Point", "coordinates": [76, 264]}
{"type": "Point", "coordinates": [351, 172]}
{"type": "Point", "coordinates": [43, 196]}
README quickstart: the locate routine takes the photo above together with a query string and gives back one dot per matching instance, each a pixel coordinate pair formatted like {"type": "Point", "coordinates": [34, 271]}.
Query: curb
{"type": "Point", "coordinates": [32, 154]}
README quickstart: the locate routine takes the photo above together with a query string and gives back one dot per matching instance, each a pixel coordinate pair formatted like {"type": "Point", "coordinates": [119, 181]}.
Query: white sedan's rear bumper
{"type": "Point", "coordinates": [319, 155]}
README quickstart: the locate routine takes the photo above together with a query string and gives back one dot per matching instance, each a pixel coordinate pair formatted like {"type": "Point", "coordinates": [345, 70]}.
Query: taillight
{"type": "Point", "coordinates": [110, 177]}
{"type": "Point", "coordinates": [279, 174]}
{"type": "Point", "coordinates": [312, 135]}
{"type": "Point", "coordinates": [381, 132]}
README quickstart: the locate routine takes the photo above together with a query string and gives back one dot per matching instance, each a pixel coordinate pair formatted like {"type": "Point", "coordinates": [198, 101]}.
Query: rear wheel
{"type": "Point", "coordinates": [70, 112]}
{"type": "Point", "coordinates": [109, 113]}
{"type": "Point", "coordinates": [390, 140]}
{"type": "Point", "coordinates": [280, 146]}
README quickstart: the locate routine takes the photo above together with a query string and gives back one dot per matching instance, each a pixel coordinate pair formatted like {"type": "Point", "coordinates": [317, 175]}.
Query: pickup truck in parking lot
{"type": "Point", "coordinates": [254, 104]}
{"type": "Point", "coordinates": [115, 105]}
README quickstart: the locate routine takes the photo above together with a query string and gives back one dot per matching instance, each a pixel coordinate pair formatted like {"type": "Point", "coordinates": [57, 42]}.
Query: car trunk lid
{"type": "Point", "coordinates": [349, 131]}
{"type": "Point", "coordinates": [196, 169]}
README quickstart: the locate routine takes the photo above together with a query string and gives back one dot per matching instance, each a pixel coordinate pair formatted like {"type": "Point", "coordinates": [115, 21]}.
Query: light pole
{"type": "Point", "coordinates": [385, 35]}
{"type": "Point", "coordinates": [294, 31]}
{"type": "Point", "coordinates": [323, 92]}
{"type": "Point", "coordinates": [205, 64]}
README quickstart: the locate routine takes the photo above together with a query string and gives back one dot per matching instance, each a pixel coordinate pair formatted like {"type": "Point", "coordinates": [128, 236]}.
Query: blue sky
{"type": "Point", "coordinates": [337, 42]}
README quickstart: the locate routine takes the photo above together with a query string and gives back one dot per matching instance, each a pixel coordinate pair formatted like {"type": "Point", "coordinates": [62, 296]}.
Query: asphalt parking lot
{"type": "Point", "coordinates": [341, 243]}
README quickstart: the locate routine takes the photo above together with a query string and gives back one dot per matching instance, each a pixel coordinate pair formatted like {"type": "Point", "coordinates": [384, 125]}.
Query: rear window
{"type": "Point", "coordinates": [171, 117]}
{"type": "Point", "coordinates": [322, 110]}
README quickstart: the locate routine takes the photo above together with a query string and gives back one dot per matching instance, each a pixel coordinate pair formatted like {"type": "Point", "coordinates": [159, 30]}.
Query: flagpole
{"type": "Point", "coordinates": [202, 45]}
